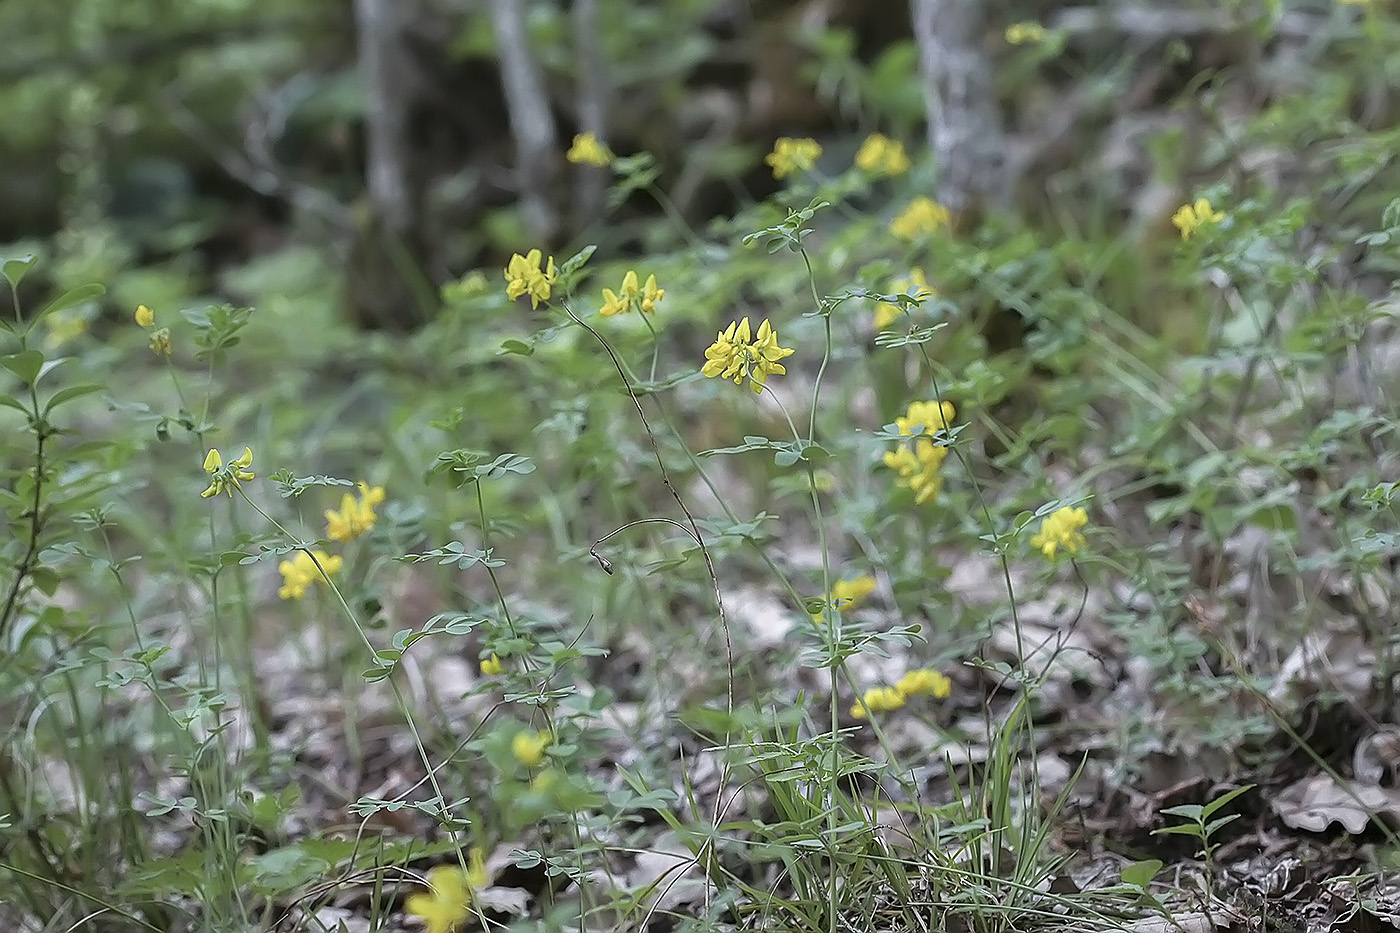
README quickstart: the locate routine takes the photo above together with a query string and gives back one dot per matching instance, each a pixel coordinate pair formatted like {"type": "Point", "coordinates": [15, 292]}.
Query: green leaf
{"type": "Point", "coordinates": [1210, 808]}
{"type": "Point", "coordinates": [48, 367]}
{"type": "Point", "coordinates": [576, 261]}
{"type": "Point", "coordinates": [45, 579]}
{"type": "Point", "coordinates": [802, 450]}
{"type": "Point", "coordinates": [505, 463]}
{"type": "Point", "coordinates": [1190, 811]}
{"type": "Point", "coordinates": [283, 870]}
{"type": "Point", "coordinates": [516, 347]}
{"type": "Point", "coordinates": [25, 364]}
{"type": "Point", "coordinates": [1278, 517]}
{"type": "Point", "coordinates": [12, 402]}
{"type": "Point", "coordinates": [1213, 825]}
{"type": "Point", "coordinates": [72, 297]}
{"type": "Point", "coordinates": [1140, 874]}
{"type": "Point", "coordinates": [15, 270]}
{"type": "Point", "coordinates": [70, 393]}
{"type": "Point", "coordinates": [751, 442]}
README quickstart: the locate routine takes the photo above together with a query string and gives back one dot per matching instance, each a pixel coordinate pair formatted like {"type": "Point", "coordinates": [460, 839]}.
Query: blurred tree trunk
{"type": "Point", "coordinates": [964, 124]}
{"type": "Point", "coordinates": [537, 152]}
{"type": "Point", "coordinates": [388, 289]}
{"type": "Point", "coordinates": [592, 103]}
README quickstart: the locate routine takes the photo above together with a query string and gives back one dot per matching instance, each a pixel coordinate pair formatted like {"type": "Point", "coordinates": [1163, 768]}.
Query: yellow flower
{"type": "Point", "coordinates": [923, 216]}
{"type": "Point", "coordinates": [528, 747]}
{"type": "Point", "coordinates": [846, 593]}
{"type": "Point", "coordinates": [300, 573]}
{"type": "Point", "coordinates": [880, 155]}
{"type": "Point", "coordinates": [160, 342]}
{"type": "Point", "coordinates": [651, 295]}
{"type": "Point", "coordinates": [925, 681]}
{"type": "Point", "coordinates": [934, 416]}
{"type": "Point", "coordinates": [631, 297]}
{"type": "Point", "coordinates": [1191, 217]}
{"type": "Point", "coordinates": [793, 155]}
{"type": "Point", "coordinates": [525, 277]}
{"type": "Point", "coordinates": [1060, 529]}
{"type": "Point", "coordinates": [356, 516]}
{"type": "Point", "coordinates": [918, 467]}
{"type": "Point", "coordinates": [227, 479]}
{"type": "Point", "coordinates": [735, 356]}
{"type": "Point", "coordinates": [145, 316]}
{"type": "Point", "coordinates": [586, 150]}
{"type": "Point", "coordinates": [449, 901]}
{"type": "Point", "coordinates": [64, 326]}
{"type": "Point", "coordinates": [492, 666]}
{"type": "Point", "coordinates": [877, 700]}
{"type": "Point", "coordinates": [1025, 33]}
{"type": "Point", "coordinates": [915, 286]}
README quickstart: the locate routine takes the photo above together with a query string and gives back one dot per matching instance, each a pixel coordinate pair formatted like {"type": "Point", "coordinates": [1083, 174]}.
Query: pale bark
{"type": "Point", "coordinates": [593, 91]}
{"type": "Point", "coordinates": [537, 151]}
{"type": "Point", "coordinates": [964, 125]}
{"type": "Point", "coordinates": [387, 76]}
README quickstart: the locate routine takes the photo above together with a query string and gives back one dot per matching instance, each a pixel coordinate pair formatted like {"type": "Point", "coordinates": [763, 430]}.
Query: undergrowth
{"type": "Point", "coordinates": [563, 615]}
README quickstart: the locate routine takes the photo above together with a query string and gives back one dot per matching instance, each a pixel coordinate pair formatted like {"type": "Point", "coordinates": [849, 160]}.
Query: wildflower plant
{"type": "Point", "coordinates": [920, 218]}
{"type": "Point", "coordinates": [1196, 216]}
{"type": "Point", "coordinates": [791, 155]}
{"type": "Point", "coordinates": [879, 155]}
{"type": "Point", "coordinates": [356, 515]}
{"type": "Point", "coordinates": [525, 275]}
{"type": "Point", "coordinates": [569, 566]}
{"type": "Point", "coordinates": [587, 150]}
{"type": "Point", "coordinates": [738, 354]}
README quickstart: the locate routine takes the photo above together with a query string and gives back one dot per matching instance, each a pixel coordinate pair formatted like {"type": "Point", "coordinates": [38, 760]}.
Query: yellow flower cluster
{"type": "Point", "coordinates": [1025, 33]}
{"type": "Point", "coordinates": [630, 296]}
{"type": "Point", "coordinates": [877, 700]}
{"type": "Point", "coordinates": [922, 217]}
{"type": "Point", "coordinates": [160, 339]}
{"type": "Point", "coordinates": [918, 467]}
{"type": "Point", "coordinates": [587, 150]}
{"type": "Point", "coordinates": [300, 573]}
{"type": "Point", "coordinates": [356, 515]}
{"type": "Point", "coordinates": [492, 666]}
{"type": "Point", "coordinates": [227, 478]}
{"type": "Point", "coordinates": [448, 902]}
{"type": "Point", "coordinates": [915, 286]}
{"type": "Point", "coordinates": [846, 594]}
{"type": "Point", "coordinates": [734, 355]}
{"type": "Point", "coordinates": [793, 155]}
{"type": "Point", "coordinates": [1192, 217]}
{"type": "Point", "coordinates": [914, 683]}
{"type": "Point", "coordinates": [880, 155]}
{"type": "Point", "coordinates": [525, 277]}
{"type": "Point", "coordinates": [849, 592]}
{"type": "Point", "coordinates": [529, 747]}
{"type": "Point", "coordinates": [1060, 529]}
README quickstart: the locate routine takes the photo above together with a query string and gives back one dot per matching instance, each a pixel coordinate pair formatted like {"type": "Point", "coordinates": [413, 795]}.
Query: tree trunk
{"type": "Point", "coordinates": [964, 125]}
{"type": "Point", "coordinates": [537, 152]}
{"type": "Point", "coordinates": [386, 278]}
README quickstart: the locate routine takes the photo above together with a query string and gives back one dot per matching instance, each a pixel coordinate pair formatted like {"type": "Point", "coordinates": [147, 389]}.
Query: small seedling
{"type": "Point", "coordinates": [1201, 824]}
